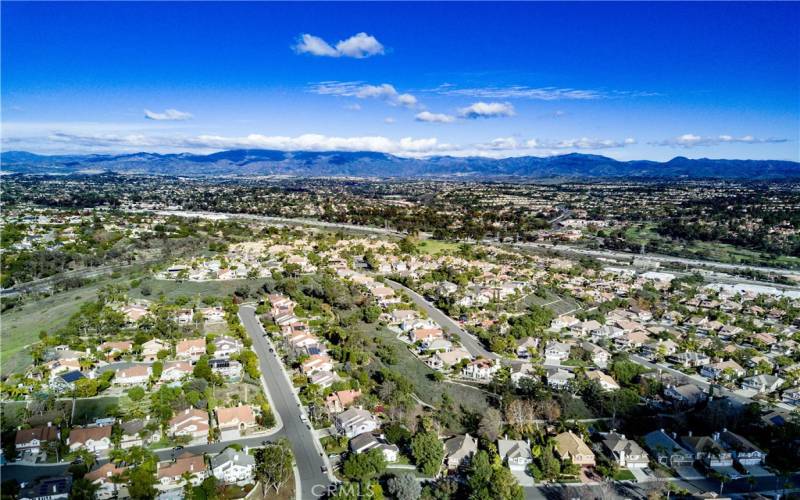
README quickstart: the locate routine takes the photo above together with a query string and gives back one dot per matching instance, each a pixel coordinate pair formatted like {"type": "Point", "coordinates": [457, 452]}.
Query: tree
{"type": "Point", "coordinates": [274, 465]}
{"type": "Point", "coordinates": [364, 466]}
{"type": "Point", "coordinates": [404, 487]}
{"type": "Point", "coordinates": [136, 393]}
{"type": "Point", "coordinates": [490, 425]}
{"type": "Point", "coordinates": [428, 452]}
{"type": "Point", "coordinates": [491, 481]}
{"type": "Point", "coordinates": [202, 369]}
{"type": "Point", "coordinates": [141, 480]}
{"type": "Point", "coordinates": [82, 489]}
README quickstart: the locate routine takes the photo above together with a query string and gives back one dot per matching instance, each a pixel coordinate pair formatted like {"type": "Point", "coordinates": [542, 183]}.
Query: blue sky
{"type": "Point", "coordinates": [625, 80]}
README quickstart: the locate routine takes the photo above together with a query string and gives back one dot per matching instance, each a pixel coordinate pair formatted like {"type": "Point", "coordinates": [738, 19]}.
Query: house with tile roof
{"type": "Point", "coordinates": [570, 446]}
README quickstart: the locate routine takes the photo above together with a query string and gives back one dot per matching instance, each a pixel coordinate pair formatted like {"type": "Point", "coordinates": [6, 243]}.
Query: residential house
{"type": "Point", "coordinates": [354, 421]}
{"type": "Point", "coordinates": [113, 350]}
{"type": "Point", "coordinates": [515, 453]}
{"type": "Point", "coordinates": [744, 451]}
{"type": "Point", "coordinates": [599, 355]}
{"type": "Point", "coordinates": [66, 381]}
{"type": "Point", "coordinates": [480, 369]}
{"type": "Point", "coordinates": [340, 400]}
{"type": "Point", "coordinates": [233, 422]}
{"type": "Point", "coordinates": [521, 371]}
{"type": "Point", "coordinates": [151, 348]}
{"type": "Point", "coordinates": [190, 350]}
{"type": "Point", "coordinates": [607, 383]}
{"type": "Point", "coordinates": [233, 467]}
{"type": "Point", "coordinates": [685, 395]}
{"type": "Point", "coordinates": [33, 439]}
{"type": "Point", "coordinates": [425, 334]}
{"type": "Point", "coordinates": [559, 379]}
{"type": "Point", "coordinates": [708, 449]}
{"type": "Point", "coordinates": [569, 446]}
{"type": "Point", "coordinates": [763, 384]}
{"type": "Point", "coordinates": [667, 451]}
{"type": "Point", "coordinates": [227, 369]}
{"type": "Point", "coordinates": [190, 422]}
{"type": "Point", "coordinates": [459, 450]}
{"type": "Point", "coordinates": [132, 375]}
{"type": "Point", "coordinates": [318, 362]}
{"type": "Point", "coordinates": [135, 433]}
{"type": "Point", "coordinates": [171, 474]}
{"type": "Point", "coordinates": [527, 347]}
{"type": "Point", "coordinates": [690, 359]}
{"type": "Point", "coordinates": [791, 396]}
{"type": "Point", "coordinates": [49, 488]}
{"type": "Point", "coordinates": [175, 370]}
{"type": "Point", "coordinates": [323, 378]}
{"type": "Point", "coordinates": [724, 370]}
{"type": "Point", "coordinates": [445, 360]}
{"type": "Point", "coordinates": [103, 479]}
{"type": "Point", "coordinates": [557, 350]}
{"type": "Point", "coordinates": [94, 439]}
{"type": "Point", "coordinates": [625, 452]}
{"type": "Point", "coordinates": [368, 441]}
{"type": "Point", "coordinates": [225, 347]}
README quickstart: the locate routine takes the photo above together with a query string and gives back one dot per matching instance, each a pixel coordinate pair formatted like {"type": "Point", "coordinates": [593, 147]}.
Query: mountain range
{"type": "Point", "coordinates": [251, 162]}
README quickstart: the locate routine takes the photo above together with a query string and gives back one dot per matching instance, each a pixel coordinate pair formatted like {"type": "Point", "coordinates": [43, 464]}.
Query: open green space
{"type": "Point", "coordinates": [559, 305]}
{"type": "Point", "coordinates": [435, 247]}
{"type": "Point", "coordinates": [193, 289]}
{"type": "Point", "coordinates": [428, 390]}
{"type": "Point", "coordinates": [20, 326]}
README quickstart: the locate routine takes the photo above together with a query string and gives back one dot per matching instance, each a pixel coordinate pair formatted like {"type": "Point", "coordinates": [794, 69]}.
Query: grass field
{"type": "Point", "coordinates": [426, 389]}
{"type": "Point", "coordinates": [558, 305]}
{"type": "Point", "coordinates": [20, 327]}
{"type": "Point", "coordinates": [435, 247]}
{"type": "Point", "coordinates": [194, 289]}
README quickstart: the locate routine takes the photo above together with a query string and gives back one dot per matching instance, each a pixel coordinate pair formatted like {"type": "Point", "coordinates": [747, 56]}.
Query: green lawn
{"type": "Point", "coordinates": [434, 247]}
{"type": "Point", "coordinates": [194, 289]}
{"type": "Point", "coordinates": [624, 475]}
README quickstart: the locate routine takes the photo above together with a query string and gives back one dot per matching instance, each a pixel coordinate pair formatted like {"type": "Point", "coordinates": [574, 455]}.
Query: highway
{"type": "Point", "coordinates": [469, 342]}
{"type": "Point", "coordinates": [654, 257]}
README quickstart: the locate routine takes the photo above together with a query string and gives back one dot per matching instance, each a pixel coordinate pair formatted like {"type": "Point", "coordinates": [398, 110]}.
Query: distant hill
{"type": "Point", "coordinates": [250, 162]}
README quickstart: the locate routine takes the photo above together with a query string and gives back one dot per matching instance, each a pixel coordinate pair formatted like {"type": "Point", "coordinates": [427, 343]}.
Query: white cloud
{"type": "Point", "coordinates": [487, 110]}
{"type": "Point", "coordinates": [167, 115]}
{"type": "Point", "coordinates": [358, 46]}
{"type": "Point", "coordinates": [692, 140]}
{"type": "Point", "coordinates": [538, 93]}
{"type": "Point", "coordinates": [427, 116]}
{"type": "Point", "coordinates": [406, 146]}
{"type": "Point", "coordinates": [360, 90]}
{"type": "Point", "coordinates": [389, 120]}
{"type": "Point", "coordinates": [353, 107]}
